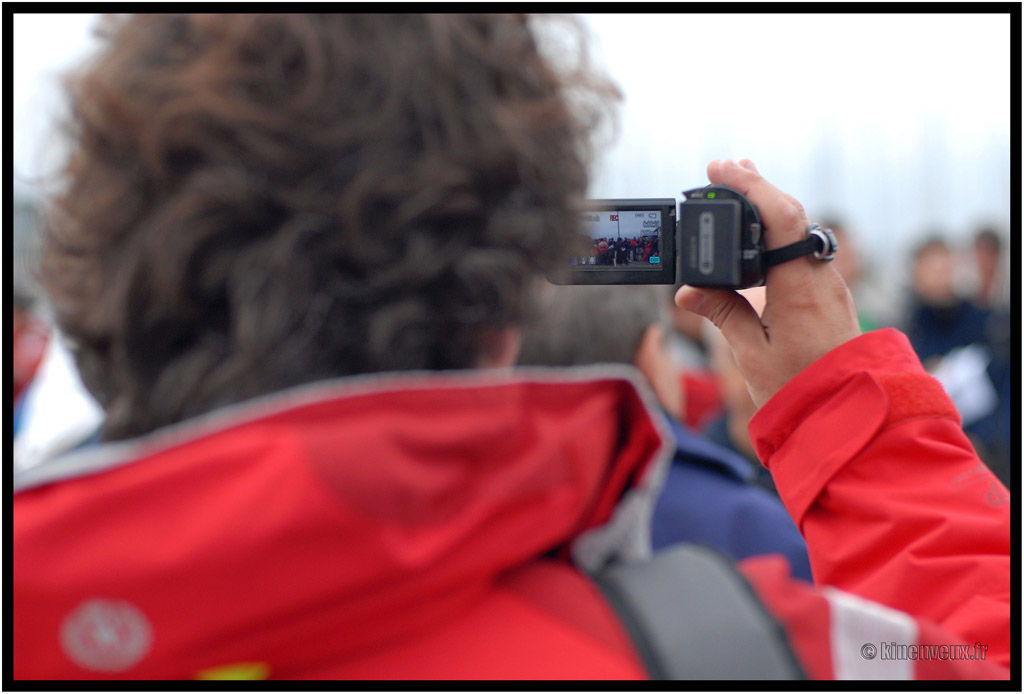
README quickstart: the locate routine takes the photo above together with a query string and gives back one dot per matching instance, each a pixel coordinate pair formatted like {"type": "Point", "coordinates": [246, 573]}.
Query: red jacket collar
{"type": "Point", "coordinates": [360, 494]}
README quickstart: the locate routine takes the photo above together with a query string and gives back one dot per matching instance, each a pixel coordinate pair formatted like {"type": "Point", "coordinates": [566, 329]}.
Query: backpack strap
{"type": "Point", "coordinates": [691, 615]}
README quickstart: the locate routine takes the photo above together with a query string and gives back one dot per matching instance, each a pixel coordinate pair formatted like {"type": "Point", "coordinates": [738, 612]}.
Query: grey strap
{"type": "Point", "coordinates": [692, 616]}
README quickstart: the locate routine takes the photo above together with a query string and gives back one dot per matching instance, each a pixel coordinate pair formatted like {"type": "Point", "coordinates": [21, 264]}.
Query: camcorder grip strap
{"type": "Point", "coordinates": [691, 615]}
{"type": "Point", "coordinates": [821, 243]}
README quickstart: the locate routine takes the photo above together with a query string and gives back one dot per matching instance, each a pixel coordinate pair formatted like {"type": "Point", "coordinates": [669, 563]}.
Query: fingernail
{"type": "Point", "coordinates": [749, 165]}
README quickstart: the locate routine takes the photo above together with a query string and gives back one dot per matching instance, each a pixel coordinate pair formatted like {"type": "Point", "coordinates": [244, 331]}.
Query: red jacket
{"type": "Point", "coordinates": [416, 526]}
{"type": "Point", "coordinates": [870, 460]}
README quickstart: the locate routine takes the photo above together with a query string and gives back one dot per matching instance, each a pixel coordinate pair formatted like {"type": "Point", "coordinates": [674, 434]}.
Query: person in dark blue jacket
{"type": "Point", "coordinates": [711, 495]}
{"type": "Point", "coordinates": [938, 320]}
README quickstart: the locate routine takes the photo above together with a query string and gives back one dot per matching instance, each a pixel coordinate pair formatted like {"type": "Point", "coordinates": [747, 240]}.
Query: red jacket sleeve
{"type": "Point", "coordinates": [870, 460]}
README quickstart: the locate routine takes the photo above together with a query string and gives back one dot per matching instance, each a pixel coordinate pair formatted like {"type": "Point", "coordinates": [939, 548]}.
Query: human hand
{"type": "Point", "coordinates": [808, 311]}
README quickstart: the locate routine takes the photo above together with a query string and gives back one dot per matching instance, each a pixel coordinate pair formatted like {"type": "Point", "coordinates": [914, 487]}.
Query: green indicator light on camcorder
{"type": "Point", "coordinates": [711, 196]}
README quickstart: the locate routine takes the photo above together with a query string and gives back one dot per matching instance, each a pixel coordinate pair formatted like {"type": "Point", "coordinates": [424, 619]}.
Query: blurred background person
{"type": "Point", "coordinates": [875, 307]}
{"type": "Point", "coordinates": [991, 432]}
{"type": "Point", "coordinates": [31, 334]}
{"type": "Point", "coordinates": [686, 338]}
{"type": "Point", "coordinates": [31, 325]}
{"type": "Point", "coordinates": [992, 291]}
{"type": "Point", "coordinates": [686, 344]}
{"type": "Point", "coordinates": [964, 339]}
{"type": "Point", "coordinates": [729, 428]}
{"type": "Point", "coordinates": [979, 378]}
{"type": "Point", "coordinates": [938, 319]}
{"type": "Point", "coordinates": [56, 413]}
{"type": "Point", "coordinates": [711, 495]}
{"type": "Point", "coordinates": [53, 413]}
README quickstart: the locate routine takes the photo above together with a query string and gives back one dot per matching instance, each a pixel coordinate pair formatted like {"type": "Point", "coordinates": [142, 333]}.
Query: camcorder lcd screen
{"type": "Point", "coordinates": [622, 238]}
{"type": "Point", "coordinates": [624, 242]}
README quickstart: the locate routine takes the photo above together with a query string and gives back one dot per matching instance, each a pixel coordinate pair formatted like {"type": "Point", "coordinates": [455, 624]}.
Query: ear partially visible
{"type": "Point", "coordinates": [655, 363]}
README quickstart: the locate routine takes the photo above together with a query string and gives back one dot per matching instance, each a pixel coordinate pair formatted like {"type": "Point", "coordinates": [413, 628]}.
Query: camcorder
{"type": "Point", "coordinates": [715, 241]}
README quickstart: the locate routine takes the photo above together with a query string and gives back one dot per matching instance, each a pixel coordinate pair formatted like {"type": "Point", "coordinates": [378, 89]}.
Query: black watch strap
{"type": "Point", "coordinates": [821, 243]}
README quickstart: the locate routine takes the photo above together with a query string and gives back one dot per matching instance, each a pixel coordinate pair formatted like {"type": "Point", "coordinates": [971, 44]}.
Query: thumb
{"type": "Point", "coordinates": [730, 312]}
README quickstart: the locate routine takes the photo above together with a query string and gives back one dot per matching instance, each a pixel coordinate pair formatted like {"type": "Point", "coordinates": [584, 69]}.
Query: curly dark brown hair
{"type": "Point", "coordinates": [259, 201]}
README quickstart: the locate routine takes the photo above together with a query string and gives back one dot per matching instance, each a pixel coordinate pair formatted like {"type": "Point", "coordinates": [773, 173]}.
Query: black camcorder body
{"type": "Point", "coordinates": [714, 241]}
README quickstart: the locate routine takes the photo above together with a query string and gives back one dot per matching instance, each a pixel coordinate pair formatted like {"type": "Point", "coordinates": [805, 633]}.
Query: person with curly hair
{"type": "Point", "coordinates": [281, 208]}
{"type": "Point", "coordinates": [292, 254]}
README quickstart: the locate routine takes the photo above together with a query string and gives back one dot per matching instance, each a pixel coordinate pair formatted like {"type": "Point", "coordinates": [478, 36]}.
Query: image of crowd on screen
{"type": "Point", "coordinates": [621, 251]}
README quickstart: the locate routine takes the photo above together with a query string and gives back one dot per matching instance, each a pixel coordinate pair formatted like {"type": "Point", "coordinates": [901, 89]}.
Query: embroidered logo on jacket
{"type": "Point", "coordinates": [106, 635]}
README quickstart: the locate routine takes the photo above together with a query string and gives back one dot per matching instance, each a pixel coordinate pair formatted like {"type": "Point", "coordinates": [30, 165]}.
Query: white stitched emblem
{"type": "Point", "coordinates": [106, 635]}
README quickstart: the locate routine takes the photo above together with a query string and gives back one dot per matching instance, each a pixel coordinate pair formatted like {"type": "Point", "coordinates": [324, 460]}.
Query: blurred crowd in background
{"type": "Point", "coordinates": [329, 363]}
{"type": "Point", "coordinates": [950, 292]}
{"type": "Point", "coordinates": [954, 307]}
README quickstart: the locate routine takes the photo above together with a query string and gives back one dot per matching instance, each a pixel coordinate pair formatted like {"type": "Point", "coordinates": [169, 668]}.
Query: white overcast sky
{"type": "Point", "coordinates": [898, 122]}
